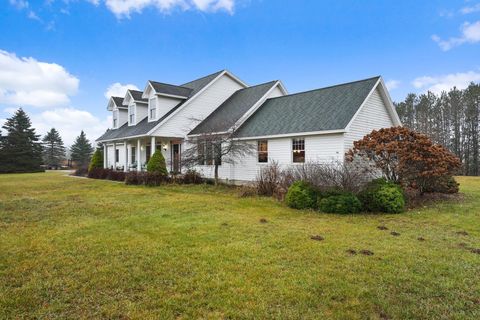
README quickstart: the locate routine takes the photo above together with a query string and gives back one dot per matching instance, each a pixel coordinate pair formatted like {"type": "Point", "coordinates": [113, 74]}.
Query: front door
{"type": "Point", "coordinates": [176, 150]}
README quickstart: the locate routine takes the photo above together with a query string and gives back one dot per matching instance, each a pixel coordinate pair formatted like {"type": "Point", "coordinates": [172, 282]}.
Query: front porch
{"type": "Point", "coordinates": [133, 154]}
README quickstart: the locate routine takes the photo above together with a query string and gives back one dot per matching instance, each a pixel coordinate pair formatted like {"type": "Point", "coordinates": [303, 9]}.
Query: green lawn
{"type": "Point", "coordinates": [79, 248]}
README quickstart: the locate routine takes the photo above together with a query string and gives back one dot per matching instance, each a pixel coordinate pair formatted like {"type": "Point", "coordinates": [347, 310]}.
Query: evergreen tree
{"type": "Point", "coordinates": [81, 150]}
{"type": "Point", "coordinates": [97, 160]}
{"type": "Point", "coordinates": [53, 149]}
{"type": "Point", "coordinates": [20, 150]}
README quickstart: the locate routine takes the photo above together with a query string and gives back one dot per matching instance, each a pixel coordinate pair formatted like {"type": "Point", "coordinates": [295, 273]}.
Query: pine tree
{"type": "Point", "coordinates": [53, 149]}
{"type": "Point", "coordinates": [20, 147]}
{"type": "Point", "coordinates": [81, 150]}
{"type": "Point", "coordinates": [97, 160]}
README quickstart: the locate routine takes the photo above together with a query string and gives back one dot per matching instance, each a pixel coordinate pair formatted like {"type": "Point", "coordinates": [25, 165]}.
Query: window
{"type": "Point", "coordinates": [149, 151]}
{"type": "Point", "coordinates": [201, 153]}
{"type": "Point", "coordinates": [131, 111]}
{"type": "Point", "coordinates": [117, 155]}
{"type": "Point", "coordinates": [298, 150]}
{"type": "Point", "coordinates": [262, 149]}
{"type": "Point", "coordinates": [153, 108]}
{"type": "Point", "coordinates": [133, 155]}
{"type": "Point", "coordinates": [209, 153]}
{"type": "Point", "coordinates": [115, 119]}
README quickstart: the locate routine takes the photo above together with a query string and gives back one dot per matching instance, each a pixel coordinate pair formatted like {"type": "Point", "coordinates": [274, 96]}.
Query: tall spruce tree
{"type": "Point", "coordinates": [20, 149]}
{"type": "Point", "coordinates": [81, 150]}
{"type": "Point", "coordinates": [53, 149]}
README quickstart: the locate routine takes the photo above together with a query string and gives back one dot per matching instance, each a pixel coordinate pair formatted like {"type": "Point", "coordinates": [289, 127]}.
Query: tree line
{"type": "Point", "coordinates": [450, 119]}
{"type": "Point", "coordinates": [22, 150]}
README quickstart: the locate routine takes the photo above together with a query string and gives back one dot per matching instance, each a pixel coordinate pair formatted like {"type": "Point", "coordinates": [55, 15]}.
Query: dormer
{"type": "Point", "coordinates": [162, 97]}
{"type": "Point", "coordinates": [137, 106]}
{"type": "Point", "coordinates": [119, 112]}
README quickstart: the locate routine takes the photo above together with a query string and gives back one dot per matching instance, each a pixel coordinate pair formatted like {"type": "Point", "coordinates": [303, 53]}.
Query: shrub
{"type": "Point", "coordinates": [153, 179]}
{"type": "Point", "coordinates": [405, 156]}
{"type": "Point", "coordinates": [301, 195]}
{"type": "Point", "coordinates": [115, 175]}
{"type": "Point", "coordinates": [443, 184]}
{"type": "Point", "coordinates": [192, 177]}
{"type": "Point", "coordinates": [99, 173]}
{"type": "Point", "coordinates": [341, 203]}
{"type": "Point", "coordinates": [268, 179]}
{"type": "Point", "coordinates": [81, 172]}
{"type": "Point", "coordinates": [157, 164]}
{"type": "Point", "coordinates": [97, 160]}
{"type": "Point", "coordinates": [382, 196]}
{"type": "Point", "coordinates": [134, 178]}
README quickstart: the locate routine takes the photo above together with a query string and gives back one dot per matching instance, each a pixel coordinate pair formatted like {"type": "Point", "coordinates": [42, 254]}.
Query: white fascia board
{"type": "Point", "coordinates": [135, 137]}
{"type": "Point", "coordinates": [111, 104]}
{"type": "Point", "coordinates": [347, 128]}
{"type": "Point", "coordinates": [171, 96]}
{"type": "Point", "coordinates": [392, 111]}
{"type": "Point", "coordinates": [297, 134]}
{"type": "Point", "coordinates": [147, 88]}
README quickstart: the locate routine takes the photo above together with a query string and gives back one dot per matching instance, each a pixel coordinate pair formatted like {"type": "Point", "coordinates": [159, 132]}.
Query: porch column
{"type": "Point", "coordinates": [105, 156]}
{"type": "Point", "coordinates": [152, 147]}
{"type": "Point", "coordinates": [125, 167]}
{"type": "Point", "coordinates": [139, 154]}
{"type": "Point", "coordinates": [115, 156]}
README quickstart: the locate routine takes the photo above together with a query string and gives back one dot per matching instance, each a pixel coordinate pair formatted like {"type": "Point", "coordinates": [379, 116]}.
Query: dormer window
{"type": "Point", "coordinates": [115, 119]}
{"type": "Point", "coordinates": [131, 115]}
{"type": "Point", "coordinates": [152, 105]}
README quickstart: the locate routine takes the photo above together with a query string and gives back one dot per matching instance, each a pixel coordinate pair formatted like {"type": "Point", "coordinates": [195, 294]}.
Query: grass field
{"type": "Point", "coordinates": [78, 248]}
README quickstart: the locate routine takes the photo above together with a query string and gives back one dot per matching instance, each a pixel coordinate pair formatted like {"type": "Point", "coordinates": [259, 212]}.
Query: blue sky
{"type": "Point", "coordinates": [58, 58]}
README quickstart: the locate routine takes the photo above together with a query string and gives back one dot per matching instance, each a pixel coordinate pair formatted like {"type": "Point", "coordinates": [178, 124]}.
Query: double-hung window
{"type": "Point", "coordinates": [115, 119]}
{"type": "Point", "coordinates": [131, 112]}
{"type": "Point", "coordinates": [298, 150]}
{"type": "Point", "coordinates": [262, 149]}
{"type": "Point", "coordinates": [153, 108]}
{"type": "Point", "coordinates": [133, 155]}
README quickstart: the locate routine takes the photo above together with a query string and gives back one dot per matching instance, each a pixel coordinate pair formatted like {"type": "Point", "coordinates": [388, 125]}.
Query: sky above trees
{"type": "Point", "coordinates": [60, 59]}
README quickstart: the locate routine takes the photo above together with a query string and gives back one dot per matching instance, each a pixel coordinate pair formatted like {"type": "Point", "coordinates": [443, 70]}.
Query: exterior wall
{"type": "Point", "coordinates": [111, 154]}
{"type": "Point", "coordinates": [275, 93]}
{"type": "Point", "coordinates": [141, 111]}
{"type": "Point", "coordinates": [373, 115]}
{"type": "Point", "coordinates": [185, 120]}
{"type": "Point", "coordinates": [163, 104]}
{"type": "Point", "coordinates": [319, 148]}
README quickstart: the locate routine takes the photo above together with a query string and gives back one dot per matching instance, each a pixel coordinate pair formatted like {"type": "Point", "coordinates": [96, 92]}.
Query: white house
{"type": "Point", "coordinates": [318, 125]}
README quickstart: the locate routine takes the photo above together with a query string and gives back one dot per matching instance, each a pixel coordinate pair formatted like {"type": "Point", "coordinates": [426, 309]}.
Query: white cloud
{"type": "Point", "coordinates": [118, 90]}
{"type": "Point", "coordinates": [123, 8]}
{"type": "Point", "coordinates": [437, 84]}
{"type": "Point", "coordinates": [470, 9]}
{"type": "Point", "coordinates": [19, 4]}
{"type": "Point", "coordinates": [69, 122]}
{"type": "Point", "coordinates": [28, 82]}
{"type": "Point", "coordinates": [392, 84]}
{"type": "Point", "coordinates": [470, 33]}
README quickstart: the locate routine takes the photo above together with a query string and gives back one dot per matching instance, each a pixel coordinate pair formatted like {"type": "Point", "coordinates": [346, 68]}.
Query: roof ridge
{"type": "Point", "coordinates": [324, 88]}
{"type": "Point", "coordinates": [209, 75]}
{"type": "Point", "coordinates": [258, 85]}
{"type": "Point", "coordinates": [169, 84]}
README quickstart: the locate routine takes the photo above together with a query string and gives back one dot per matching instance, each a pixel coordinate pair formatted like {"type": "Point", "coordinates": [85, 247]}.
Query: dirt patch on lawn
{"type": "Point", "coordinates": [317, 238]}
{"type": "Point", "coordinates": [394, 233]}
{"type": "Point", "coordinates": [366, 252]}
{"type": "Point", "coordinates": [382, 228]}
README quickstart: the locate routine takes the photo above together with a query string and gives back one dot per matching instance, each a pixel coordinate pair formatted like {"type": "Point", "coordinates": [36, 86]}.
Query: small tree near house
{"type": "Point", "coordinates": [81, 150]}
{"type": "Point", "coordinates": [213, 148]}
{"type": "Point", "coordinates": [97, 160]}
{"type": "Point", "coordinates": [406, 157]}
{"type": "Point", "coordinates": [157, 164]}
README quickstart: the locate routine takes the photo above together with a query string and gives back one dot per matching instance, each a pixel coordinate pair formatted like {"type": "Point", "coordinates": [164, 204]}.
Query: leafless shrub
{"type": "Point", "coordinates": [268, 179]}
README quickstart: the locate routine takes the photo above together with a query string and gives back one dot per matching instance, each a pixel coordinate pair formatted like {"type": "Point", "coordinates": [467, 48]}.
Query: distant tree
{"type": "Point", "coordinates": [97, 160]}
{"type": "Point", "coordinates": [20, 150]}
{"type": "Point", "coordinates": [81, 150]}
{"type": "Point", "coordinates": [405, 156]}
{"type": "Point", "coordinates": [53, 149]}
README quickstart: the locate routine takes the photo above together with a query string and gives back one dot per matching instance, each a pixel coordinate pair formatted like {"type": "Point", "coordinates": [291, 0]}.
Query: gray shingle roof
{"type": "Point", "coordinates": [328, 108]}
{"type": "Point", "coordinates": [118, 102]}
{"type": "Point", "coordinates": [171, 89]}
{"type": "Point", "coordinates": [228, 113]}
{"type": "Point", "coordinates": [143, 127]}
{"type": "Point", "coordinates": [137, 95]}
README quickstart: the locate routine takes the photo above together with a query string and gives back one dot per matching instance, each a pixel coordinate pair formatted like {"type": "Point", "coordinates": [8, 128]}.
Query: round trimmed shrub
{"type": "Point", "coordinates": [157, 164]}
{"type": "Point", "coordinates": [342, 203]}
{"type": "Point", "coordinates": [301, 195]}
{"type": "Point", "coordinates": [382, 196]}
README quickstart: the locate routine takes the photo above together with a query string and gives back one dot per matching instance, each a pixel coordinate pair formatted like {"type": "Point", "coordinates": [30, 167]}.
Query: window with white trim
{"type": "Point", "coordinates": [152, 105]}
{"type": "Point", "coordinates": [131, 114]}
{"type": "Point", "coordinates": [262, 149]}
{"type": "Point", "coordinates": [298, 150]}
{"type": "Point", "coordinates": [115, 119]}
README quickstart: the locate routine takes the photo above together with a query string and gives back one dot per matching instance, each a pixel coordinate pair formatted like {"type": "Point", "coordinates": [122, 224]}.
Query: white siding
{"type": "Point", "coordinates": [373, 115]}
{"type": "Point", "coordinates": [276, 92]}
{"type": "Point", "coordinates": [141, 112]}
{"type": "Point", "coordinates": [165, 104]}
{"type": "Point", "coordinates": [319, 148]}
{"type": "Point", "coordinates": [110, 155]}
{"type": "Point", "coordinates": [184, 120]}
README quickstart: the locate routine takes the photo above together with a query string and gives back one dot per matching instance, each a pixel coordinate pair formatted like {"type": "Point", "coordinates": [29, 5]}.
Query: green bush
{"type": "Point", "coordinates": [341, 203]}
{"type": "Point", "coordinates": [157, 164]}
{"type": "Point", "coordinates": [443, 184]}
{"type": "Point", "coordinates": [97, 160]}
{"type": "Point", "coordinates": [301, 195]}
{"type": "Point", "coordinates": [382, 196]}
